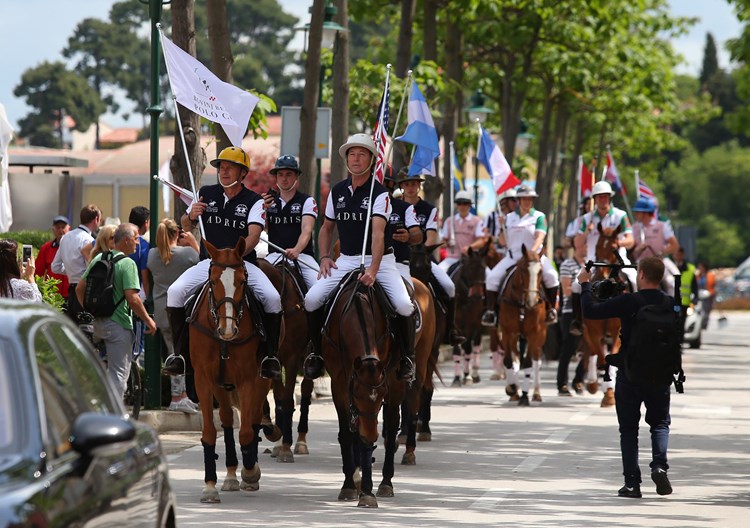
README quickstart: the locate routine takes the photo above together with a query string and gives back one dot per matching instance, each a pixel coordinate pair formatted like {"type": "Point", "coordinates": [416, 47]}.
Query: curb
{"type": "Point", "coordinates": [169, 421]}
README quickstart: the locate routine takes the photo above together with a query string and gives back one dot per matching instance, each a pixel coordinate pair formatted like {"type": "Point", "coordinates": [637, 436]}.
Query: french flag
{"type": "Point", "coordinates": [497, 166]}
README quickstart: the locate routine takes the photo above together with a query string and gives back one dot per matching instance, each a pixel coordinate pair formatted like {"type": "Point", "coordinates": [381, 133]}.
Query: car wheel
{"type": "Point", "coordinates": [696, 343]}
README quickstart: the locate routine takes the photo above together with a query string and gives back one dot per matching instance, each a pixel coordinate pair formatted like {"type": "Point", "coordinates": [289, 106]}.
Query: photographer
{"type": "Point", "coordinates": [629, 395]}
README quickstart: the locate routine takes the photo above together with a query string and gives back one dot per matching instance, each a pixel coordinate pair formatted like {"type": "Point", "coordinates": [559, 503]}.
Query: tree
{"type": "Point", "coordinates": [53, 91]}
{"type": "Point", "coordinates": [710, 62]}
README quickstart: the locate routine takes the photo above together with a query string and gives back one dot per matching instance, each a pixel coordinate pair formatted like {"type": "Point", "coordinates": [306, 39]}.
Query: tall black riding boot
{"type": "Point", "coordinates": [270, 367]}
{"type": "Point", "coordinates": [174, 364]}
{"type": "Point", "coordinates": [489, 317]}
{"type": "Point", "coordinates": [407, 330]}
{"type": "Point", "coordinates": [313, 365]}
{"type": "Point", "coordinates": [551, 304]}
{"type": "Point", "coordinates": [455, 337]}
{"type": "Point", "coordinates": [576, 325]}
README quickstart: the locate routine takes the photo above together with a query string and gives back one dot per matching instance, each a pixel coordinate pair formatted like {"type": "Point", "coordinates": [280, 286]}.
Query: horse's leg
{"type": "Point", "coordinates": [404, 427]}
{"type": "Point", "coordinates": [390, 429]}
{"type": "Point", "coordinates": [457, 369]}
{"type": "Point", "coordinates": [284, 415]}
{"type": "Point", "coordinates": [253, 395]}
{"type": "Point", "coordinates": [307, 389]}
{"type": "Point", "coordinates": [512, 365]}
{"type": "Point", "coordinates": [271, 430]}
{"type": "Point", "coordinates": [476, 351]}
{"type": "Point", "coordinates": [366, 498]}
{"type": "Point", "coordinates": [425, 414]}
{"type": "Point", "coordinates": [410, 411]}
{"type": "Point", "coordinates": [346, 444]}
{"type": "Point", "coordinates": [467, 360]}
{"type": "Point", "coordinates": [537, 370]}
{"type": "Point", "coordinates": [497, 355]}
{"type": "Point", "coordinates": [203, 387]}
{"type": "Point", "coordinates": [226, 418]}
{"type": "Point", "coordinates": [526, 365]}
{"type": "Point", "coordinates": [608, 386]}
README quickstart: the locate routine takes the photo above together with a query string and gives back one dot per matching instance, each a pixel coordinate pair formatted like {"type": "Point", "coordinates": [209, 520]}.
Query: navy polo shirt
{"type": "Point", "coordinates": [284, 221]}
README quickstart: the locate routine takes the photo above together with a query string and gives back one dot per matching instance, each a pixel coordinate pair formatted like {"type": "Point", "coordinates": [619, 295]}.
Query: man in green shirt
{"type": "Point", "coordinates": [117, 331]}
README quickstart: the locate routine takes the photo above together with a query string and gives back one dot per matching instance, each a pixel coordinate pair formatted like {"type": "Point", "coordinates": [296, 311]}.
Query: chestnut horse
{"type": "Point", "coordinates": [224, 354]}
{"type": "Point", "coordinates": [522, 326]}
{"type": "Point", "coordinates": [496, 350]}
{"type": "Point", "coordinates": [359, 355]}
{"type": "Point", "coordinates": [292, 350]}
{"type": "Point", "coordinates": [602, 336]}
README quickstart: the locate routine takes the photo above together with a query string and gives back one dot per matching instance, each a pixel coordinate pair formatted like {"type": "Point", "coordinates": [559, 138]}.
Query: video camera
{"type": "Point", "coordinates": [610, 287]}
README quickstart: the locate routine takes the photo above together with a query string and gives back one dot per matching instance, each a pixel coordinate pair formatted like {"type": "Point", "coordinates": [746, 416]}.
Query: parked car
{"type": "Point", "coordinates": [69, 453]}
{"type": "Point", "coordinates": [694, 321]}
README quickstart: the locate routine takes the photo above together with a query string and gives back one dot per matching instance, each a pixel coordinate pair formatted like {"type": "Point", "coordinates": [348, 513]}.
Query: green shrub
{"type": "Point", "coordinates": [35, 238]}
{"type": "Point", "coordinates": [48, 289]}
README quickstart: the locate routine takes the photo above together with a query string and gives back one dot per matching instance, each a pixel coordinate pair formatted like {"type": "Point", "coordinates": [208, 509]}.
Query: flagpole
{"type": "Point", "coordinates": [476, 167]}
{"type": "Point", "coordinates": [372, 183]}
{"type": "Point", "coordinates": [182, 134]}
{"type": "Point", "coordinates": [453, 190]}
{"type": "Point", "coordinates": [637, 186]}
{"type": "Point", "coordinates": [398, 118]}
{"type": "Point", "coordinates": [579, 178]}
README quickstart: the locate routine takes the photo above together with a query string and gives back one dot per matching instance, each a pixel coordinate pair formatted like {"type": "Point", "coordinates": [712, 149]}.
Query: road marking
{"type": "Point", "coordinates": [707, 410]}
{"type": "Point", "coordinates": [489, 500]}
{"type": "Point", "coordinates": [580, 417]}
{"type": "Point", "coordinates": [558, 437]}
{"type": "Point", "coordinates": [529, 464]}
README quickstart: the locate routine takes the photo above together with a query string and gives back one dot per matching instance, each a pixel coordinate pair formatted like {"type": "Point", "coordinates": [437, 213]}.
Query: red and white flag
{"type": "Point", "coordinates": [497, 166]}
{"type": "Point", "coordinates": [380, 135]}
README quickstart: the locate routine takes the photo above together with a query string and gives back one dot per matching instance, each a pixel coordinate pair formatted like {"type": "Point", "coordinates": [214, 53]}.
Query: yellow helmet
{"type": "Point", "coordinates": [233, 155]}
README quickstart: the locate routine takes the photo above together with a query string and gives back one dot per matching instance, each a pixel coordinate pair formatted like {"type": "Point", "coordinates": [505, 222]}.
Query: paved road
{"type": "Point", "coordinates": [492, 463]}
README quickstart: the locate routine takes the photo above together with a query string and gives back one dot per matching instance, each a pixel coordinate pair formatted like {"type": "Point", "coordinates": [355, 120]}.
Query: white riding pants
{"type": "Point", "coordinates": [447, 262]}
{"type": "Point", "coordinates": [260, 286]}
{"type": "Point", "coordinates": [388, 276]}
{"type": "Point", "coordinates": [310, 276]}
{"type": "Point", "coordinates": [405, 271]}
{"type": "Point", "coordinates": [444, 280]}
{"type": "Point", "coordinates": [496, 276]}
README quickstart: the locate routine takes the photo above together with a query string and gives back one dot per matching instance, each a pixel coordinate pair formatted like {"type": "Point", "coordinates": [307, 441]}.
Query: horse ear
{"type": "Point", "coordinates": [599, 227]}
{"type": "Point", "coordinates": [433, 247]}
{"type": "Point", "coordinates": [210, 247]}
{"type": "Point", "coordinates": [240, 247]}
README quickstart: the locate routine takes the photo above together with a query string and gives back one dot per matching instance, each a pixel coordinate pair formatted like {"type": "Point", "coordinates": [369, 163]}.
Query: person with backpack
{"type": "Point", "coordinates": [648, 358]}
{"type": "Point", "coordinates": [108, 290]}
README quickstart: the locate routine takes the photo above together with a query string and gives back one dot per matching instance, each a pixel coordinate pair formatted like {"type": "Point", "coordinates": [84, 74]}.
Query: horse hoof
{"type": "Point", "coordinates": [347, 494]}
{"type": "Point", "coordinates": [609, 398]}
{"type": "Point", "coordinates": [536, 397]}
{"type": "Point", "coordinates": [409, 459]}
{"type": "Point", "coordinates": [592, 387]}
{"type": "Point", "coordinates": [285, 456]}
{"type": "Point", "coordinates": [524, 400]}
{"type": "Point", "coordinates": [456, 382]}
{"type": "Point", "coordinates": [210, 496]}
{"type": "Point", "coordinates": [301, 449]}
{"type": "Point", "coordinates": [230, 484]}
{"type": "Point", "coordinates": [495, 377]}
{"type": "Point", "coordinates": [272, 434]}
{"type": "Point", "coordinates": [384, 490]}
{"type": "Point", "coordinates": [367, 501]}
{"type": "Point", "coordinates": [476, 379]}
{"type": "Point", "coordinates": [514, 397]}
{"type": "Point", "coordinates": [275, 451]}
{"type": "Point", "coordinates": [402, 439]}
{"type": "Point", "coordinates": [424, 437]}
{"type": "Point", "coordinates": [511, 389]}
{"type": "Point", "coordinates": [250, 479]}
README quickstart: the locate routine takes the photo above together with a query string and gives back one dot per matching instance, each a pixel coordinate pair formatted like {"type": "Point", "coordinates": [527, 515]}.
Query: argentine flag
{"type": "Point", "coordinates": [497, 166]}
{"type": "Point", "coordinates": [421, 132]}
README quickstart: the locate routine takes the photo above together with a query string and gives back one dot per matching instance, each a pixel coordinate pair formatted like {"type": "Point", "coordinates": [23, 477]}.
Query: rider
{"type": "Point", "coordinates": [461, 232]}
{"type": "Point", "coordinates": [426, 214]}
{"type": "Point", "coordinates": [229, 211]}
{"type": "Point", "coordinates": [654, 238]}
{"type": "Point", "coordinates": [403, 227]}
{"type": "Point", "coordinates": [574, 226]}
{"type": "Point", "coordinates": [524, 226]}
{"type": "Point", "coordinates": [610, 217]}
{"type": "Point", "coordinates": [508, 203]}
{"type": "Point", "coordinates": [346, 210]}
{"type": "Point", "coordinates": [571, 232]}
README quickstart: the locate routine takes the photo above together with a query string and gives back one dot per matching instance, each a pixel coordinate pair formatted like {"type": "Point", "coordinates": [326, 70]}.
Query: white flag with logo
{"type": "Point", "coordinates": [6, 134]}
{"type": "Point", "coordinates": [196, 88]}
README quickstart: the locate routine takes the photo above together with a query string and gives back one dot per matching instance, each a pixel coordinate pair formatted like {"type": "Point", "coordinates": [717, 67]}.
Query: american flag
{"type": "Point", "coordinates": [381, 131]}
{"type": "Point", "coordinates": [644, 191]}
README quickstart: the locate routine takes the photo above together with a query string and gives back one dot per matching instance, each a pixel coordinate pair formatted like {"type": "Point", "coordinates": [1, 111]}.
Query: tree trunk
{"type": "Point", "coordinates": [454, 74]}
{"type": "Point", "coordinates": [308, 114]}
{"type": "Point", "coordinates": [405, 33]}
{"type": "Point", "coordinates": [221, 55]}
{"type": "Point", "coordinates": [183, 35]}
{"type": "Point", "coordinates": [429, 30]}
{"type": "Point", "coordinates": [546, 146]}
{"type": "Point", "coordinates": [340, 111]}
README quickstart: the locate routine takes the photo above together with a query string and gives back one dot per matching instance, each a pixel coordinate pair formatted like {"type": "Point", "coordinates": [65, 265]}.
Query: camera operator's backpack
{"type": "Point", "coordinates": [98, 297]}
{"type": "Point", "coordinates": [654, 353]}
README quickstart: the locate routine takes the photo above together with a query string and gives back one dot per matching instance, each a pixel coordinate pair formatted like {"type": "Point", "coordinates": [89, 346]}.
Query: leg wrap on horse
{"type": "Point", "coordinates": [406, 329]}
{"type": "Point", "coordinates": [209, 462]}
{"type": "Point", "coordinates": [304, 412]}
{"type": "Point", "coordinates": [313, 365]}
{"type": "Point", "coordinates": [270, 367]}
{"type": "Point", "coordinates": [230, 446]}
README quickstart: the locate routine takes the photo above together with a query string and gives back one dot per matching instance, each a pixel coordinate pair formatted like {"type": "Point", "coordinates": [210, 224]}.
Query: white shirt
{"type": "Point", "coordinates": [69, 259]}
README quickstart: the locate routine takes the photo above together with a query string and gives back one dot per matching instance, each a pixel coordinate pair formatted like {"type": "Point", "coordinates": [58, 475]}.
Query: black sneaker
{"type": "Point", "coordinates": [659, 476]}
{"type": "Point", "coordinates": [630, 492]}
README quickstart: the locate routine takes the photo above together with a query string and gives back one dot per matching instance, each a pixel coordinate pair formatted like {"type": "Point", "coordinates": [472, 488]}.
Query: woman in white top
{"type": "Point", "coordinates": [17, 281]}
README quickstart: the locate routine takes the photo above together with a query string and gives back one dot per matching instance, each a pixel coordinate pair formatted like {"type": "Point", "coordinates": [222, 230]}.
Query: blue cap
{"type": "Point", "coordinates": [60, 218]}
{"type": "Point", "coordinates": [644, 205]}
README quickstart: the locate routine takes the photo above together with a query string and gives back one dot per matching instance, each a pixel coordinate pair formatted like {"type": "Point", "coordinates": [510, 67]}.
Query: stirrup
{"type": "Point", "coordinates": [489, 318]}
{"type": "Point", "coordinates": [551, 317]}
{"type": "Point", "coordinates": [406, 370]}
{"type": "Point", "coordinates": [270, 368]}
{"type": "Point", "coordinates": [313, 366]}
{"type": "Point", "coordinates": [174, 365]}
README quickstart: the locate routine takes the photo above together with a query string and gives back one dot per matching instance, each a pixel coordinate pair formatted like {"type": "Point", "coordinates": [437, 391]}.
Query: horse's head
{"type": "Point", "coordinates": [366, 392]}
{"type": "Point", "coordinates": [530, 264]}
{"type": "Point", "coordinates": [420, 261]}
{"type": "Point", "coordinates": [607, 246]}
{"type": "Point", "coordinates": [227, 278]}
{"type": "Point", "coordinates": [473, 271]}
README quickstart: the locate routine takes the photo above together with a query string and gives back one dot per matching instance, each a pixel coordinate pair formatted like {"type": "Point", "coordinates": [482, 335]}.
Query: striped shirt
{"type": "Point", "coordinates": [569, 268]}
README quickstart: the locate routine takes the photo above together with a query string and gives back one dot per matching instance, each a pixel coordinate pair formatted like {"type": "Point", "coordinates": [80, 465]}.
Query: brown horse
{"type": "Point", "coordinates": [469, 278]}
{"type": "Point", "coordinates": [359, 355]}
{"type": "Point", "coordinates": [496, 350]}
{"type": "Point", "coordinates": [288, 282]}
{"type": "Point", "coordinates": [223, 351]}
{"type": "Point", "coordinates": [522, 325]}
{"type": "Point", "coordinates": [602, 336]}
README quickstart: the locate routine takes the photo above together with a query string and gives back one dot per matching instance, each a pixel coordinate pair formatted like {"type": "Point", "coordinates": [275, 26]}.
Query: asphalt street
{"type": "Point", "coordinates": [492, 463]}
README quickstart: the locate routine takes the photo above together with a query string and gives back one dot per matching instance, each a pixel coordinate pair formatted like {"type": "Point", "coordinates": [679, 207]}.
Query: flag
{"type": "Point", "coordinates": [644, 191]}
{"type": "Point", "coordinates": [196, 88]}
{"type": "Point", "coordinates": [421, 132]}
{"type": "Point", "coordinates": [456, 175]}
{"type": "Point", "coordinates": [613, 175]}
{"type": "Point", "coordinates": [6, 134]}
{"type": "Point", "coordinates": [493, 160]}
{"type": "Point", "coordinates": [380, 135]}
{"type": "Point", "coordinates": [585, 179]}
{"type": "Point", "coordinates": [183, 194]}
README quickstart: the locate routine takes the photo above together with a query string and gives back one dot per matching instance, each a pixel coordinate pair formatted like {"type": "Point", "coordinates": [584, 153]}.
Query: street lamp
{"type": "Point", "coordinates": [477, 113]}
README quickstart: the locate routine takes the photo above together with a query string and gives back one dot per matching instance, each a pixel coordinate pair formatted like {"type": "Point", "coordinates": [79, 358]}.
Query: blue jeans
{"type": "Point", "coordinates": [629, 397]}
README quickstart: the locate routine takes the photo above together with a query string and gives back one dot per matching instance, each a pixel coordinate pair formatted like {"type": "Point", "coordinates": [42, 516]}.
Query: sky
{"type": "Point", "coordinates": [32, 31]}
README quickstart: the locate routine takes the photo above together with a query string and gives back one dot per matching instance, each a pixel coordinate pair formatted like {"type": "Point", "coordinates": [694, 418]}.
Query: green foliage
{"type": "Point", "coordinates": [719, 242]}
{"type": "Point", "coordinates": [48, 288]}
{"type": "Point", "coordinates": [35, 238]}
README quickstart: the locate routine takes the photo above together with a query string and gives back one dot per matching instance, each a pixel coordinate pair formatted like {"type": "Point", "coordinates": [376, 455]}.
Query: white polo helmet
{"type": "Point", "coordinates": [462, 196]}
{"type": "Point", "coordinates": [509, 194]}
{"type": "Point", "coordinates": [602, 187]}
{"type": "Point", "coordinates": [524, 191]}
{"type": "Point", "coordinates": [358, 140]}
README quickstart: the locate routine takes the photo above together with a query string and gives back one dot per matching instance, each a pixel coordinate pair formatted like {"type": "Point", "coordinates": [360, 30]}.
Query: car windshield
{"type": "Point", "coordinates": [11, 422]}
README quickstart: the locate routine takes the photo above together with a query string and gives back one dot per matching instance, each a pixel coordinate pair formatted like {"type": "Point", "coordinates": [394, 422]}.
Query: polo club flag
{"type": "Point", "coordinates": [644, 191]}
{"type": "Point", "coordinates": [613, 175]}
{"type": "Point", "coordinates": [183, 194]}
{"type": "Point", "coordinates": [421, 132]}
{"type": "Point", "coordinates": [497, 166]}
{"type": "Point", "coordinates": [6, 134]}
{"type": "Point", "coordinates": [585, 179]}
{"type": "Point", "coordinates": [380, 136]}
{"type": "Point", "coordinates": [196, 88]}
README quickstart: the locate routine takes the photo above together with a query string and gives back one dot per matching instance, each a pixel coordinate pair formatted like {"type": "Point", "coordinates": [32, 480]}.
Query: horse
{"type": "Point", "coordinates": [358, 350]}
{"type": "Point", "coordinates": [224, 347]}
{"type": "Point", "coordinates": [522, 326]}
{"type": "Point", "coordinates": [292, 351]}
{"type": "Point", "coordinates": [602, 336]}
{"type": "Point", "coordinates": [491, 259]}
{"type": "Point", "coordinates": [469, 277]}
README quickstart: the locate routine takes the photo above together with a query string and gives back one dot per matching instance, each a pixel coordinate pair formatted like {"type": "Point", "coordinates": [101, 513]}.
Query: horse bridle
{"type": "Point", "coordinates": [213, 305]}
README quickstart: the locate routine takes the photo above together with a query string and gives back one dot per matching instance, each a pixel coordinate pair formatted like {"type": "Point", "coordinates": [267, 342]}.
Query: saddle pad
{"type": "Point", "coordinates": [508, 275]}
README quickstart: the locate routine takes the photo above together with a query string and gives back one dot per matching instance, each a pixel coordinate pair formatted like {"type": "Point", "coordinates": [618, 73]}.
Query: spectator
{"type": "Point", "coordinates": [117, 331]}
{"type": "Point", "coordinates": [105, 240]}
{"type": "Point", "coordinates": [569, 269]}
{"type": "Point", "coordinates": [706, 281]}
{"type": "Point", "coordinates": [60, 226]}
{"type": "Point", "coordinates": [16, 281]}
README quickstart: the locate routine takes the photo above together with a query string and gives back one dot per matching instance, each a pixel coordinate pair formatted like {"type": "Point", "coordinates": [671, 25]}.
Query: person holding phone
{"type": "Point", "coordinates": [17, 279]}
